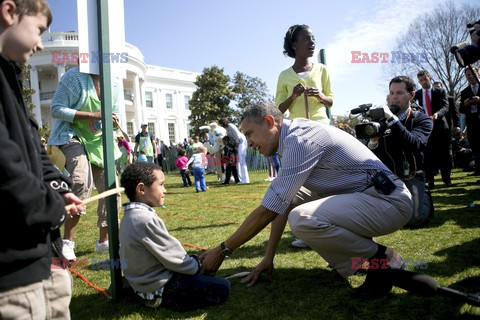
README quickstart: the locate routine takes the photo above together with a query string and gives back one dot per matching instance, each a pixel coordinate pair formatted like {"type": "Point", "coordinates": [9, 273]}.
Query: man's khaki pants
{"type": "Point", "coordinates": [341, 227]}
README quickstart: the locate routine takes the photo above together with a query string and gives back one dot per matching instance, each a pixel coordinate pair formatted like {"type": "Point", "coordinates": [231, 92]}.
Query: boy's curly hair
{"type": "Point", "coordinates": [134, 174]}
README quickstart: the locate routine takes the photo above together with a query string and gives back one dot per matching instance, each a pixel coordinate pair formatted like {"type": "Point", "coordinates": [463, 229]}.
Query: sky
{"type": "Point", "coordinates": [247, 36]}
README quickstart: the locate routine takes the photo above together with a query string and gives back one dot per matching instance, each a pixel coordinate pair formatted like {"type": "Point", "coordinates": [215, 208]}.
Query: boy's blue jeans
{"type": "Point", "coordinates": [199, 175]}
{"type": "Point", "coordinates": [184, 292]}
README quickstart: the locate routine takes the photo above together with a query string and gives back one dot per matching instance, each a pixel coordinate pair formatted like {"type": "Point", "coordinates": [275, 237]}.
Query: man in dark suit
{"type": "Point", "coordinates": [453, 120]}
{"type": "Point", "coordinates": [453, 116]}
{"type": "Point", "coordinates": [435, 104]}
{"type": "Point", "coordinates": [470, 106]}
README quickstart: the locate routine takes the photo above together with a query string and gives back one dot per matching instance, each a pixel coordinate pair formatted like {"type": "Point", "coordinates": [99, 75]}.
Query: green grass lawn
{"type": "Point", "coordinates": [303, 287]}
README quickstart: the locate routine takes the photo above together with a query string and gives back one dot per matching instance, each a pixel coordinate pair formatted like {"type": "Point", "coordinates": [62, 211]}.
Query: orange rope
{"type": "Point", "coordinates": [91, 285]}
{"type": "Point", "coordinates": [193, 246]}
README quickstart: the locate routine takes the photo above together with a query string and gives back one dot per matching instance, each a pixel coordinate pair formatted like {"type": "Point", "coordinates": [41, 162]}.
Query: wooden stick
{"type": "Point", "coordinates": [238, 275]}
{"type": "Point", "coordinates": [97, 197]}
{"type": "Point", "coordinates": [307, 113]}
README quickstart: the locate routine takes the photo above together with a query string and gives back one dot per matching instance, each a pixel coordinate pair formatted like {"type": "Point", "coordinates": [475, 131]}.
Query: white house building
{"type": "Point", "coordinates": [155, 95]}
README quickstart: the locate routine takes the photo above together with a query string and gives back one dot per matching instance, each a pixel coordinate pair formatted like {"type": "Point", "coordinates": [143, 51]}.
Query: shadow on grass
{"type": "Point", "coordinates": [292, 294]}
{"type": "Point", "coordinates": [463, 217]}
{"type": "Point", "coordinates": [457, 259]}
{"type": "Point", "coordinates": [452, 204]}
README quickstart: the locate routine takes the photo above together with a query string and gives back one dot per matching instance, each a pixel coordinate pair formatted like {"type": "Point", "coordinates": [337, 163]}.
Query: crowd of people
{"type": "Point", "coordinates": [336, 193]}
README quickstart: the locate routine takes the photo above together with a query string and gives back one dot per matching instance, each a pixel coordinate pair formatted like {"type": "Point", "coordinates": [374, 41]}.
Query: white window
{"type": "Point", "coordinates": [130, 129]}
{"type": "Point", "coordinates": [187, 100]}
{"type": "Point", "coordinates": [171, 132]}
{"type": "Point", "coordinates": [169, 100]}
{"type": "Point", "coordinates": [127, 95]}
{"type": "Point", "coordinates": [151, 128]}
{"type": "Point", "coordinates": [149, 99]}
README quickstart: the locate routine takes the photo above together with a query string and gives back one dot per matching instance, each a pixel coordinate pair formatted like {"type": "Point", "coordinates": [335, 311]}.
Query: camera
{"type": "Point", "coordinates": [377, 125]}
{"type": "Point", "coordinates": [466, 53]}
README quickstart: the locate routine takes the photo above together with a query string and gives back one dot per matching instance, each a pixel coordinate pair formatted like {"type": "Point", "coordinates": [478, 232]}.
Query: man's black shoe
{"type": "Point", "coordinates": [378, 283]}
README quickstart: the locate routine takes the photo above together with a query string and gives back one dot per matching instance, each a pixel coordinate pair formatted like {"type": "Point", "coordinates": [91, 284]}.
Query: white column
{"type": "Point", "coordinates": [157, 107]}
{"type": "Point", "coordinates": [60, 70]}
{"type": "Point", "coordinates": [121, 111]}
{"type": "Point", "coordinates": [36, 96]}
{"type": "Point", "coordinates": [137, 98]}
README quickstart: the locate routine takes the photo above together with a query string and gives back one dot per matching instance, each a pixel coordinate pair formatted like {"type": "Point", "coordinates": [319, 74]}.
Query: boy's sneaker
{"type": "Point", "coordinates": [154, 303]}
{"type": "Point", "coordinates": [68, 250]}
{"type": "Point", "coordinates": [297, 243]}
{"type": "Point", "coordinates": [101, 247]}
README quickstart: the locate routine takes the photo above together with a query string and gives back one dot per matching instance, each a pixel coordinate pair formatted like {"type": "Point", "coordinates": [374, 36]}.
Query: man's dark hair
{"type": "Point", "coordinates": [134, 174]}
{"type": "Point", "coordinates": [423, 73]}
{"type": "Point", "coordinates": [410, 85]}
{"type": "Point", "coordinates": [258, 112]}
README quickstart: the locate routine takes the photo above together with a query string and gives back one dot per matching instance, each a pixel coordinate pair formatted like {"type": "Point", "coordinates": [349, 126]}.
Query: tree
{"type": "Point", "coordinates": [27, 93]}
{"type": "Point", "coordinates": [427, 42]}
{"type": "Point", "coordinates": [211, 100]}
{"type": "Point", "coordinates": [248, 91]}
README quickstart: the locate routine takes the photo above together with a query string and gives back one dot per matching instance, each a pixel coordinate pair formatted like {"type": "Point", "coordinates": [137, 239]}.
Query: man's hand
{"type": "Point", "coordinates": [211, 260]}
{"type": "Point", "coordinates": [266, 265]}
{"type": "Point", "coordinates": [472, 100]}
{"type": "Point", "coordinates": [388, 113]}
{"type": "Point", "coordinates": [373, 143]}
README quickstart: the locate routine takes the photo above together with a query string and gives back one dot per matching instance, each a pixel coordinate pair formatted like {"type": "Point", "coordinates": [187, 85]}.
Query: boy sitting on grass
{"type": "Point", "coordinates": [158, 268]}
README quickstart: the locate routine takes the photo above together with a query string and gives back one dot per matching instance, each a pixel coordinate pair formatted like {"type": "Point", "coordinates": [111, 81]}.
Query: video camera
{"type": "Point", "coordinates": [466, 53]}
{"type": "Point", "coordinates": [377, 125]}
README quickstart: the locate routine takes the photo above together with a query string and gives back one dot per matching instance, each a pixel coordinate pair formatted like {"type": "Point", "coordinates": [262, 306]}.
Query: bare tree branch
{"type": "Point", "coordinates": [433, 35]}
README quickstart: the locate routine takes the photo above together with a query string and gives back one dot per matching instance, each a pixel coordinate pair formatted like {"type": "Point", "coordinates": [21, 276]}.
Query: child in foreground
{"type": "Point", "coordinates": [158, 267]}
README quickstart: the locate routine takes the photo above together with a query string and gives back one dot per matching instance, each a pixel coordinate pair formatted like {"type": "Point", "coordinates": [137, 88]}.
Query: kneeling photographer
{"type": "Point", "coordinates": [402, 144]}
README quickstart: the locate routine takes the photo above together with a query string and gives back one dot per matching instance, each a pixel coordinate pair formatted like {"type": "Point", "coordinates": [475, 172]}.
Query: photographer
{"type": "Point", "coordinates": [402, 147]}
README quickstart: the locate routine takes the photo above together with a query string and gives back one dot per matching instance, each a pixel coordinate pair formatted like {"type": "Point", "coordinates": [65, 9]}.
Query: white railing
{"type": "Point", "coordinates": [54, 39]}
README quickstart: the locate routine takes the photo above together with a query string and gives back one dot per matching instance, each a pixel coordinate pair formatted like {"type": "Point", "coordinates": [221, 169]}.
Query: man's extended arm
{"type": "Point", "coordinates": [266, 265]}
{"type": "Point", "coordinates": [258, 219]}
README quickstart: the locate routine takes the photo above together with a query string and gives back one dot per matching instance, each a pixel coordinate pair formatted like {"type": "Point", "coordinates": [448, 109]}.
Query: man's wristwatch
{"type": "Point", "coordinates": [227, 252]}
